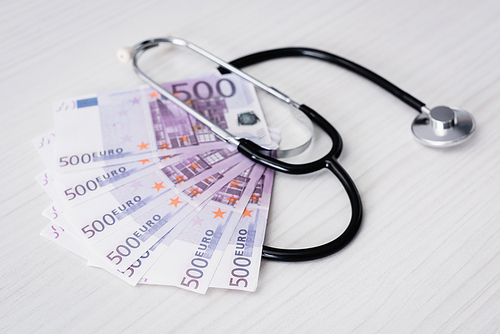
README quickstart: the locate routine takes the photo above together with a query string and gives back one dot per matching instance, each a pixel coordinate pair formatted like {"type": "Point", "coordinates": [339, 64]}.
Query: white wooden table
{"type": "Point", "coordinates": [427, 256]}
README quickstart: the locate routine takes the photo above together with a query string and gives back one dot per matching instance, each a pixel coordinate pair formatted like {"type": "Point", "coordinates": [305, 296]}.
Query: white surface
{"type": "Point", "coordinates": [427, 257]}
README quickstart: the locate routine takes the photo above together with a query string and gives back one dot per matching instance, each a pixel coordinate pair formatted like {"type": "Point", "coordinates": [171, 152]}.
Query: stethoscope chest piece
{"type": "Point", "coordinates": [439, 127]}
{"type": "Point", "coordinates": [443, 126]}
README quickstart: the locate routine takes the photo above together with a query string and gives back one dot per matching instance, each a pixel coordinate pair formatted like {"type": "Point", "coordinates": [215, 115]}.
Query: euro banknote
{"type": "Point", "coordinates": [111, 128]}
{"type": "Point", "coordinates": [228, 101]}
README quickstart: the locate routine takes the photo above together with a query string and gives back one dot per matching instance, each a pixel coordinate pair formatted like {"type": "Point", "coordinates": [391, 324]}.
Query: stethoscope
{"type": "Point", "coordinates": [437, 127]}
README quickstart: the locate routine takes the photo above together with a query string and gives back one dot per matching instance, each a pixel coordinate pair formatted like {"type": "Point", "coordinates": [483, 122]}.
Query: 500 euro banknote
{"type": "Point", "coordinates": [112, 128]}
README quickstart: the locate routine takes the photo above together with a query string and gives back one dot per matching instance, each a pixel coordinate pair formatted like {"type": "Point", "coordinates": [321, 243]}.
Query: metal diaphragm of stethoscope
{"type": "Point", "coordinates": [437, 127]}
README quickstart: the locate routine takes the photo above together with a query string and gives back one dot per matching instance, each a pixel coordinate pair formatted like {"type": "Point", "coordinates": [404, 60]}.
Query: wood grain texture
{"type": "Point", "coordinates": [427, 258]}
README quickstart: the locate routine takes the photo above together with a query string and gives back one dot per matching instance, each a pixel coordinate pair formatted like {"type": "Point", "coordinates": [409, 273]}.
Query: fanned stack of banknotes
{"type": "Point", "coordinates": [146, 192]}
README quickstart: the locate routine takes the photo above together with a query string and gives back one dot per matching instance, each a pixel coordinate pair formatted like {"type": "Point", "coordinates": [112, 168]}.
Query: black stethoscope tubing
{"type": "Point", "coordinates": [329, 161]}
{"type": "Point", "coordinates": [262, 155]}
{"type": "Point", "coordinates": [262, 56]}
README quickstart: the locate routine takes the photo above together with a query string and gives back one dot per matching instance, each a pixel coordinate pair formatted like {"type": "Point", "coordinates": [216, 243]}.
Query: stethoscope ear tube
{"type": "Point", "coordinates": [437, 127]}
{"type": "Point", "coordinates": [262, 56]}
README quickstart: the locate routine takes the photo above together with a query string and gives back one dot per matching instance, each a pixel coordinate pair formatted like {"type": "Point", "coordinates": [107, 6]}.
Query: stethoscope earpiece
{"type": "Point", "coordinates": [443, 126]}
{"type": "Point", "coordinates": [125, 54]}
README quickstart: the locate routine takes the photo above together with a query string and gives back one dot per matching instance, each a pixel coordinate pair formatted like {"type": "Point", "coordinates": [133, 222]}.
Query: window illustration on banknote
{"type": "Point", "coordinates": [188, 168]}
{"type": "Point", "coordinates": [213, 109]}
{"type": "Point", "coordinates": [204, 184]}
{"type": "Point", "coordinates": [231, 193]}
{"type": "Point", "coordinates": [175, 128]}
